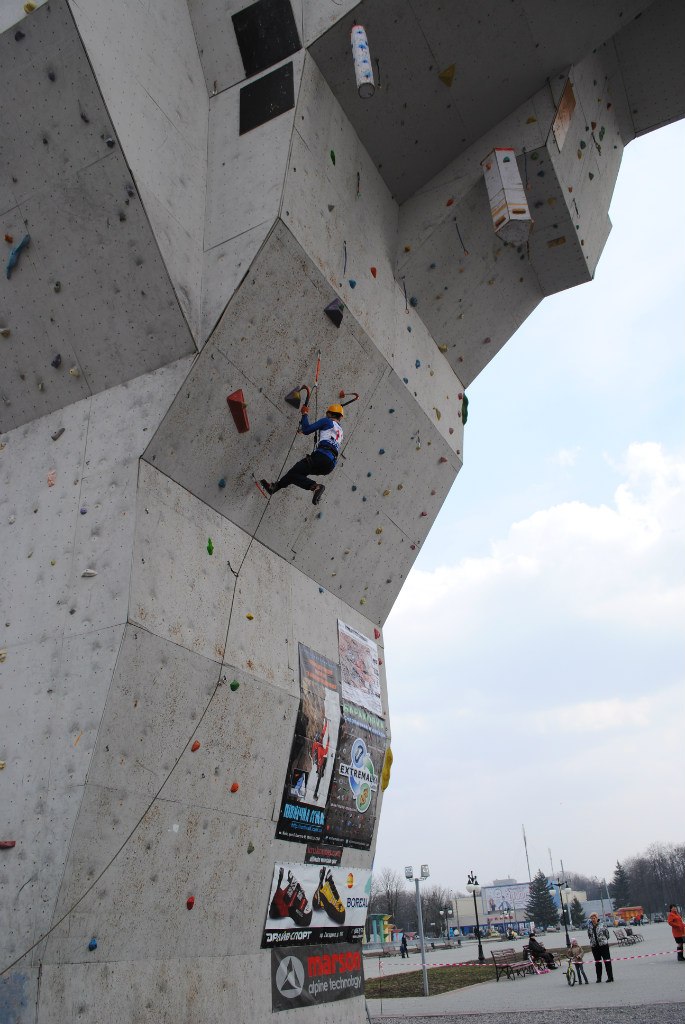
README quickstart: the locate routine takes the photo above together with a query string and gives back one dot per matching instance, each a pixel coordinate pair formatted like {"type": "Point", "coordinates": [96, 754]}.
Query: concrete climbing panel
{"type": "Point", "coordinates": [91, 292]}
{"type": "Point", "coordinates": [263, 644]}
{"type": "Point", "coordinates": [180, 591]}
{"type": "Point", "coordinates": [59, 687]}
{"type": "Point", "coordinates": [146, 62]}
{"type": "Point", "coordinates": [225, 265]}
{"type": "Point", "coordinates": [648, 50]}
{"type": "Point", "coordinates": [245, 173]}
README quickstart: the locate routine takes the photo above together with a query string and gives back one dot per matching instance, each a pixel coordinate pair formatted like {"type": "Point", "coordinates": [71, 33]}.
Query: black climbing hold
{"type": "Point", "coordinates": [413, 301]}
{"type": "Point", "coordinates": [222, 482]}
{"type": "Point", "coordinates": [52, 76]}
{"type": "Point", "coordinates": [354, 487]}
{"type": "Point", "coordinates": [109, 141]}
{"type": "Point", "coordinates": [381, 451]}
{"type": "Point", "coordinates": [541, 174]}
{"type": "Point", "coordinates": [334, 312]}
{"type": "Point", "coordinates": [85, 118]}
{"type": "Point", "coordinates": [406, 380]}
{"type": "Point", "coordinates": [19, 36]}
{"type": "Point", "coordinates": [57, 361]}
{"type": "Point", "coordinates": [57, 286]}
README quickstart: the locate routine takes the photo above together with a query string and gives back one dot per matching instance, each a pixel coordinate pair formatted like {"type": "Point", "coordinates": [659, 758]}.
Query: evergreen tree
{"type": "Point", "coordinates": [540, 907]}
{"type": "Point", "coordinates": [577, 913]}
{"type": "Point", "coordinates": [620, 887]}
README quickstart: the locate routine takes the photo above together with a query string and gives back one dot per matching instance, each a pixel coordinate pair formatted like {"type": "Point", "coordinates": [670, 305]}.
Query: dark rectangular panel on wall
{"type": "Point", "coordinates": [266, 34]}
{"type": "Point", "coordinates": [266, 98]}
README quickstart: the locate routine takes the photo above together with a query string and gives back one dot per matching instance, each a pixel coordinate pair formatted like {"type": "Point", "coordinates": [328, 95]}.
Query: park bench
{"type": "Point", "coordinates": [623, 939]}
{"type": "Point", "coordinates": [511, 963]}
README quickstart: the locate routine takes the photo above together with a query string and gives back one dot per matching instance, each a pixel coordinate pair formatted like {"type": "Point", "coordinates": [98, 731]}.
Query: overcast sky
{"type": "Point", "coordinates": [537, 646]}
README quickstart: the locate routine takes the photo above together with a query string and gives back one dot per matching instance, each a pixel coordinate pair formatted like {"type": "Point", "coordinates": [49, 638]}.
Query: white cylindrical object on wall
{"type": "Point", "coordinates": [362, 62]}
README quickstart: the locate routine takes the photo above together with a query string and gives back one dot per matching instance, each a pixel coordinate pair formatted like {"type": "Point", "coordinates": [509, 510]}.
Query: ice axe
{"type": "Point", "coordinates": [349, 401]}
{"type": "Point", "coordinates": [294, 397]}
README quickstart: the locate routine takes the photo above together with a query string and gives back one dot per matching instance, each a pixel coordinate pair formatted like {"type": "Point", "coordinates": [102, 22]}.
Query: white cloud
{"type": "Point", "coordinates": [566, 457]}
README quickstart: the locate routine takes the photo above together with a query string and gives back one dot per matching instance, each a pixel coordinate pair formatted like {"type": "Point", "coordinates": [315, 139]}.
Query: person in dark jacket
{"type": "Point", "coordinates": [403, 947]}
{"type": "Point", "coordinates": [598, 935]}
{"type": "Point", "coordinates": [538, 952]}
{"type": "Point", "coordinates": [322, 460]}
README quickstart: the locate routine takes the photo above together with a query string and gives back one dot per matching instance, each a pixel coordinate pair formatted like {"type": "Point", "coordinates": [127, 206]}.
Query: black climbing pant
{"type": "Point", "coordinates": [317, 464]}
{"type": "Point", "coordinates": [599, 954]}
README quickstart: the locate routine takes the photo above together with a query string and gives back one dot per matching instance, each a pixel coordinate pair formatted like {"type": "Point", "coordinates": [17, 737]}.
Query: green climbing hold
{"type": "Point", "coordinates": [210, 546]}
{"type": "Point", "coordinates": [235, 684]}
{"type": "Point", "coordinates": [583, 144]}
{"type": "Point", "coordinates": [333, 157]}
{"type": "Point", "coordinates": [250, 847]}
{"type": "Point", "coordinates": [464, 409]}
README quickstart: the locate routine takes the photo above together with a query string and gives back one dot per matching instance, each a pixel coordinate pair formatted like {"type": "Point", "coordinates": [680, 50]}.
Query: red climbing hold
{"type": "Point", "coordinates": [7, 844]}
{"type": "Point", "coordinates": [376, 633]}
{"type": "Point", "coordinates": [190, 902]}
{"type": "Point", "coordinates": [235, 787]}
{"type": "Point", "coordinates": [442, 459]}
{"type": "Point", "coordinates": [195, 746]}
{"type": "Point", "coordinates": [236, 403]}
{"type": "Point", "coordinates": [373, 271]}
{"type": "Point", "coordinates": [450, 202]}
{"type": "Point", "coordinates": [424, 514]}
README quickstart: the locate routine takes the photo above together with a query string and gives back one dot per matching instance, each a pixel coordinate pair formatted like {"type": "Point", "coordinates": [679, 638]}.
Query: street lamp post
{"type": "Point", "coordinates": [564, 892]}
{"type": "Point", "coordinates": [409, 873]}
{"type": "Point", "coordinates": [474, 888]}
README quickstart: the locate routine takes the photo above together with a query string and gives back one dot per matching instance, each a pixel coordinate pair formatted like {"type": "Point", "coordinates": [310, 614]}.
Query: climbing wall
{"type": "Point", "coordinates": [186, 188]}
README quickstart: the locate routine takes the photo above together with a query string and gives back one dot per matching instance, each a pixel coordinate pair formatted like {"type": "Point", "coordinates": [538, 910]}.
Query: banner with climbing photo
{"type": "Point", "coordinates": [351, 814]}
{"type": "Point", "coordinates": [311, 903]}
{"type": "Point", "coordinates": [310, 766]}
{"type": "Point", "coordinates": [359, 675]}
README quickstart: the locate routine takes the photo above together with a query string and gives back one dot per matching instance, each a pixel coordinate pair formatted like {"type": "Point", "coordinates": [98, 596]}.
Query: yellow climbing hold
{"type": "Point", "coordinates": [442, 348]}
{"type": "Point", "coordinates": [379, 529]}
{"type": "Point", "coordinates": [362, 600]}
{"type": "Point", "coordinates": [29, 7]}
{"type": "Point", "coordinates": [3, 654]}
{"type": "Point", "coordinates": [386, 493]}
{"type": "Point", "coordinates": [249, 616]}
{"type": "Point", "coordinates": [532, 120]}
{"type": "Point", "coordinates": [2, 765]}
{"type": "Point", "coordinates": [385, 771]}
{"type": "Point", "coordinates": [447, 76]}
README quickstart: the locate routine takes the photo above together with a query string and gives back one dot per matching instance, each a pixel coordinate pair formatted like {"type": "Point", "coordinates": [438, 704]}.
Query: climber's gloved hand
{"type": "Point", "coordinates": [304, 410]}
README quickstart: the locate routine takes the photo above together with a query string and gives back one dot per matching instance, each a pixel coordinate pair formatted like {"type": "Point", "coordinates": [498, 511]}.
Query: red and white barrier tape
{"type": "Point", "coordinates": [487, 963]}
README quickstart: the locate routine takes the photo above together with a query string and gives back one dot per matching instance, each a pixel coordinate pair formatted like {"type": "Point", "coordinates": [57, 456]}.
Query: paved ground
{"type": "Point", "coordinates": [645, 988]}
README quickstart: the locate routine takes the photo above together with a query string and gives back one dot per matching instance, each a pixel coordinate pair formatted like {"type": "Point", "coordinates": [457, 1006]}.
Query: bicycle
{"type": "Point", "coordinates": [570, 972]}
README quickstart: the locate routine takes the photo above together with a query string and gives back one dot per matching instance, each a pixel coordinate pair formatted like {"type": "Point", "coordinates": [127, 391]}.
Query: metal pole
{"type": "Point", "coordinates": [481, 956]}
{"type": "Point", "coordinates": [525, 843]}
{"type": "Point", "coordinates": [423, 944]}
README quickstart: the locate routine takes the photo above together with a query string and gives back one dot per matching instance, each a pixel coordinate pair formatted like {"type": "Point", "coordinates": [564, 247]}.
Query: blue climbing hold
{"type": "Point", "coordinates": [417, 363]}
{"type": "Point", "coordinates": [13, 257]}
{"type": "Point", "coordinates": [222, 482]}
{"type": "Point", "coordinates": [432, 266]}
{"type": "Point", "coordinates": [406, 380]}
{"type": "Point", "coordinates": [319, 515]}
{"type": "Point", "coordinates": [409, 329]}
{"type": "Point", "coordinates": [352, 283]}
{"type": "Point", "coordinates": [83, 511]}
{"type": "Point", "coordinates": [391, 410]}
{"type": "Point", "coordinates": [369, 473]}
{"type": "Point", "coordinates": [413, 301]}
{"type": "Point", "coordinates": [354, 487]}
{"type": "Point", "coordinates": [364, 498]}
{"type": "Point", "coordinates": [381, 451]}
{"type": "Point", "coordinates": [93, 944]}
{"type": "Point", "coordinates": [57, 361]}
{"type": "Point", "coordinates": [321, 590]}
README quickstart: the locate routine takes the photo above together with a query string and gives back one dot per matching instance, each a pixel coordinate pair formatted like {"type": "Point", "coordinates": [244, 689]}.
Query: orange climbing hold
{"type": "Point", "coordinates": [236, 403]}
{"type": "Point", "coordinates": [235, 787]}
{"type": "Point", "coordinates": [195, 746]}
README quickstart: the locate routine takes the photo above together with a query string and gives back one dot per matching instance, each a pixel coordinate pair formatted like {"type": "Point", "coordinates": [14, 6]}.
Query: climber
{"type": "Point", "coordinates": [322, 460]}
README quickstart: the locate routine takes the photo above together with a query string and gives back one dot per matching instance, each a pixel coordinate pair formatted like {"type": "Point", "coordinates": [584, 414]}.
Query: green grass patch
{"type": "Point", "coordinates": [440, 979]}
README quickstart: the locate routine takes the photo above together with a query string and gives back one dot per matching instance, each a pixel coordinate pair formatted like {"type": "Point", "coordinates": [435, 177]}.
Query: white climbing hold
{"type": "Point", "coordinates": [74, 371]}
{"type": "Point", "coordinates": [87, 573]}
{"type": "Point", "coordinates": [362, 62]}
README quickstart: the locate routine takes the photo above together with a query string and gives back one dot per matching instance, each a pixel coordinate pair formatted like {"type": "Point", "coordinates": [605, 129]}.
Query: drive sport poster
{"type": "Point", "coordinates": [310, 767]}
{"type": "Point", "coordinates": [351, 813]}
{"type": "Point", "coordinates": [310, 904]}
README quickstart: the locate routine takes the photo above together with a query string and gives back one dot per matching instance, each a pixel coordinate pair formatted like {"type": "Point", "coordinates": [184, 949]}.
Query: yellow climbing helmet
{"type": "Point", "coordinates": [337, 409]}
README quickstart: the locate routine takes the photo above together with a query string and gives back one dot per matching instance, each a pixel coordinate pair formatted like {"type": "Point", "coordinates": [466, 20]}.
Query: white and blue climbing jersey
{"type": "Point", "coordinates": [330, 435]}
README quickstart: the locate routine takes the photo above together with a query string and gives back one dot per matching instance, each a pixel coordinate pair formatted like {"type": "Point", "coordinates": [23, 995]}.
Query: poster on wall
{"type": "Point", "coordinates": [314, 976]}
{"type": "Point", "coordinates": [359, 675]}
{"type": "Point", "coordinates": [309, 904]}
{"type": "Point", "coordinates": [351, 813]}
{"type": "Point", "coordinates": [310, 766]}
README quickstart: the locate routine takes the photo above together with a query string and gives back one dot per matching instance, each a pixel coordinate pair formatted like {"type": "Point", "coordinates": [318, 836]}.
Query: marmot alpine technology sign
{"type": "Point", "coordinates": [316, 975]}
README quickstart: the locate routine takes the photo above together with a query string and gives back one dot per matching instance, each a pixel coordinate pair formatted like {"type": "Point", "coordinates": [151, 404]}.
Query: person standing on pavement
{"type": "Point", "coordinates": [598, 935]}
{"type": "Point", "coordinates": [576, 952]}
{"type": "Point", "coordinates": [678, 929]}
{"type": "Point", "coordinates": [403, 947]}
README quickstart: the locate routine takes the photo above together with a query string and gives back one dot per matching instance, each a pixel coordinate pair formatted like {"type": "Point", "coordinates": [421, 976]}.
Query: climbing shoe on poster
{"type": "Point", "coordinates": [326, 898]}
{"type": "Point", "coordinates": [291, 901]}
